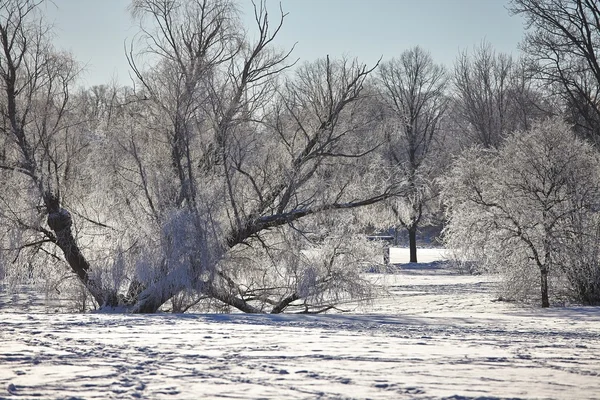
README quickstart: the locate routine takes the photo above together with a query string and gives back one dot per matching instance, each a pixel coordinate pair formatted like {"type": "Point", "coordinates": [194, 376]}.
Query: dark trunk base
{"type": "Point", "coordinates": [412, 239]}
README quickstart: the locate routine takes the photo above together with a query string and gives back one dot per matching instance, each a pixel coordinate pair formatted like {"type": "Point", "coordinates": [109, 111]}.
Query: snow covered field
{"type": "Point", "coordinates": [436, 335]}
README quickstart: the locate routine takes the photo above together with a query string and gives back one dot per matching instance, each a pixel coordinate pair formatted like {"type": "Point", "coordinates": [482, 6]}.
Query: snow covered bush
{"type": "Point", "coordinates": [529, 211]}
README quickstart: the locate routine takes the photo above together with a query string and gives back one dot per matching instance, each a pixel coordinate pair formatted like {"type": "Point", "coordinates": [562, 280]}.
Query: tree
{"type": "Point", "coordinates": [564, 38]}
{"type": "Point", "coordinates": [494, 95]}
{"type": "Point", "coordinates": [525, 209]}
{"type": "Point", "coordinates": [219, 179]}
{"type": "Point", "coordinates": [229, 164]}
{"type": "Point", "coordinates": [413, 91]}
{"type": "Point", "coordinates": [39, 144]}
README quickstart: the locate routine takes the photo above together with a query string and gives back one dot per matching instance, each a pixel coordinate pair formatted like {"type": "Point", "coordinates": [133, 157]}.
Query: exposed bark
{"type": "Point", "coordinates": [230, 299]}
{"type": "Point", "coordinates": [59, 220]}
{"type": "Point", "coordinates": [412, 241]}
{"type": "Point", "coordinates": [254, 226]}
{"type": "Point", "coordinates": [283, 304]}
{"type": "Point", "coordinates": [544, 287]}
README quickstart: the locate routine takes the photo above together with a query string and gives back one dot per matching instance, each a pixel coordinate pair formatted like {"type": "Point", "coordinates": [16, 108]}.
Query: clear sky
{"type": "Point", "coordinates": [95, 30]}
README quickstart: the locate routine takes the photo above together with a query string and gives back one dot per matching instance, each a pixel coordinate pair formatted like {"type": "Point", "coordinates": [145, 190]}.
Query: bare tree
{"type": "Point", "coordinates": [564, 38]}
{"type": "Point", "coordinates": [494, 95]}
{"type": "Point", "coordinates": [413, 89]}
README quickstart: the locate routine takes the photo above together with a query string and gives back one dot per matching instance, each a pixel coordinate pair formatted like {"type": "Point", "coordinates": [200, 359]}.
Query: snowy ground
{"type": "Point", "coordinates": [437, 335]}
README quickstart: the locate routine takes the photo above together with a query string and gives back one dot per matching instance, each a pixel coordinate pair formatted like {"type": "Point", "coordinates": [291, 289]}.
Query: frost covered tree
{"type": "Point", "coordinates": [564, 38]}
{"type": "Point", "coordinates": [529, 210]}
{"type": "Point", "coordinates": [220, 179]}
{"type": "Point", "coordinates": [413, 91]}
{"type": "Point", "coordinates": [235, 161]}
{"type": "Point", "coordinates": [39, 145]}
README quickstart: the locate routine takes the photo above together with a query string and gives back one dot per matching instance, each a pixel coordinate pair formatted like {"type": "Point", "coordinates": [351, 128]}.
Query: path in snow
{"type": "Point", "coordinates": [435, 335]}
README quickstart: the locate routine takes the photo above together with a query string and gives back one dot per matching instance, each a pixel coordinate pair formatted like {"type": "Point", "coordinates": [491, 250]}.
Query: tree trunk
{"type": "Point", "coordinates": [284, 303]}
{"type": "Point", "coordinates": [386, 255]}
{"type": "Point", "coordinates": [149, 304]}
{"type": "Point", "coordinates": [544, 287]}
{"type": "Point", "coordinates": [412, 239]}
{"type": "Point", "coordinates": [59, 220]}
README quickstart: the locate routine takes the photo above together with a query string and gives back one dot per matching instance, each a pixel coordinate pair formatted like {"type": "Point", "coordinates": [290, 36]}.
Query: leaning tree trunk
{"type": "Point", "coordinates": [59, 220]}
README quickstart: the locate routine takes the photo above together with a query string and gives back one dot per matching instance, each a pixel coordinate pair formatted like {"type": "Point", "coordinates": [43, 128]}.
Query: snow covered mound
{"type": "Point", "coordinates": [436, 334]}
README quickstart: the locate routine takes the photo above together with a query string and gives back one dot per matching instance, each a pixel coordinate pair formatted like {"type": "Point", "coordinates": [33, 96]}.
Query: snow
{"type": "Point", "coordinates": [435, 334]}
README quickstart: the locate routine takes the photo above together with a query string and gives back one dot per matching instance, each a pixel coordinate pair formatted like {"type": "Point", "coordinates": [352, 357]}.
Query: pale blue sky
{"type": "Point", "coordinates": [95, 30]}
